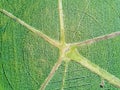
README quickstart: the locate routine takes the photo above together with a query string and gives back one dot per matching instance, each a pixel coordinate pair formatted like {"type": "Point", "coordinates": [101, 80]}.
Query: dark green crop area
{"type": "Point", "coordinates": [26, 59]}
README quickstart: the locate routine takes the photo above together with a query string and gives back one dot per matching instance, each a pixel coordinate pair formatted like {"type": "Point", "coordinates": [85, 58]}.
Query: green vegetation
{"type": "Point", "coordinates": [50, 58]}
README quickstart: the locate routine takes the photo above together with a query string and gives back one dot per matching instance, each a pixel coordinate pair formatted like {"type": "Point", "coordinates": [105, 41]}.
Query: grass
{"type": "Point", "coordinates": [66, 51]}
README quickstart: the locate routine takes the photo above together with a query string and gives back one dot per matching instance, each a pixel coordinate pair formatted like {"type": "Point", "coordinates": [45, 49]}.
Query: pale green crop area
{"type": "Point", "coordinates": [26, 59]}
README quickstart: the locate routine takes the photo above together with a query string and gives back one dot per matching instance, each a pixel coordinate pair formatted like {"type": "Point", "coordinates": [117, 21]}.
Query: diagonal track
{"type": "Point", "coordinates": [37, 32]}
{"type": "Point", "coordinates": [97, 39]}
{"type": "Point", "coordinates": [52, 72]}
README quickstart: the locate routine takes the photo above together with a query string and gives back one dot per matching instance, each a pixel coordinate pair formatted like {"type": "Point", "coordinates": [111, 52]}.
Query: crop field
{"type": "Point", "coordinates": [26, 59]}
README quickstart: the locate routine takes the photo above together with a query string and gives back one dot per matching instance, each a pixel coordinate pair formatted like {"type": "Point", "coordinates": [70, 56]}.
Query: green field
{"type": "Point", "coordinates": [26, 59]}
